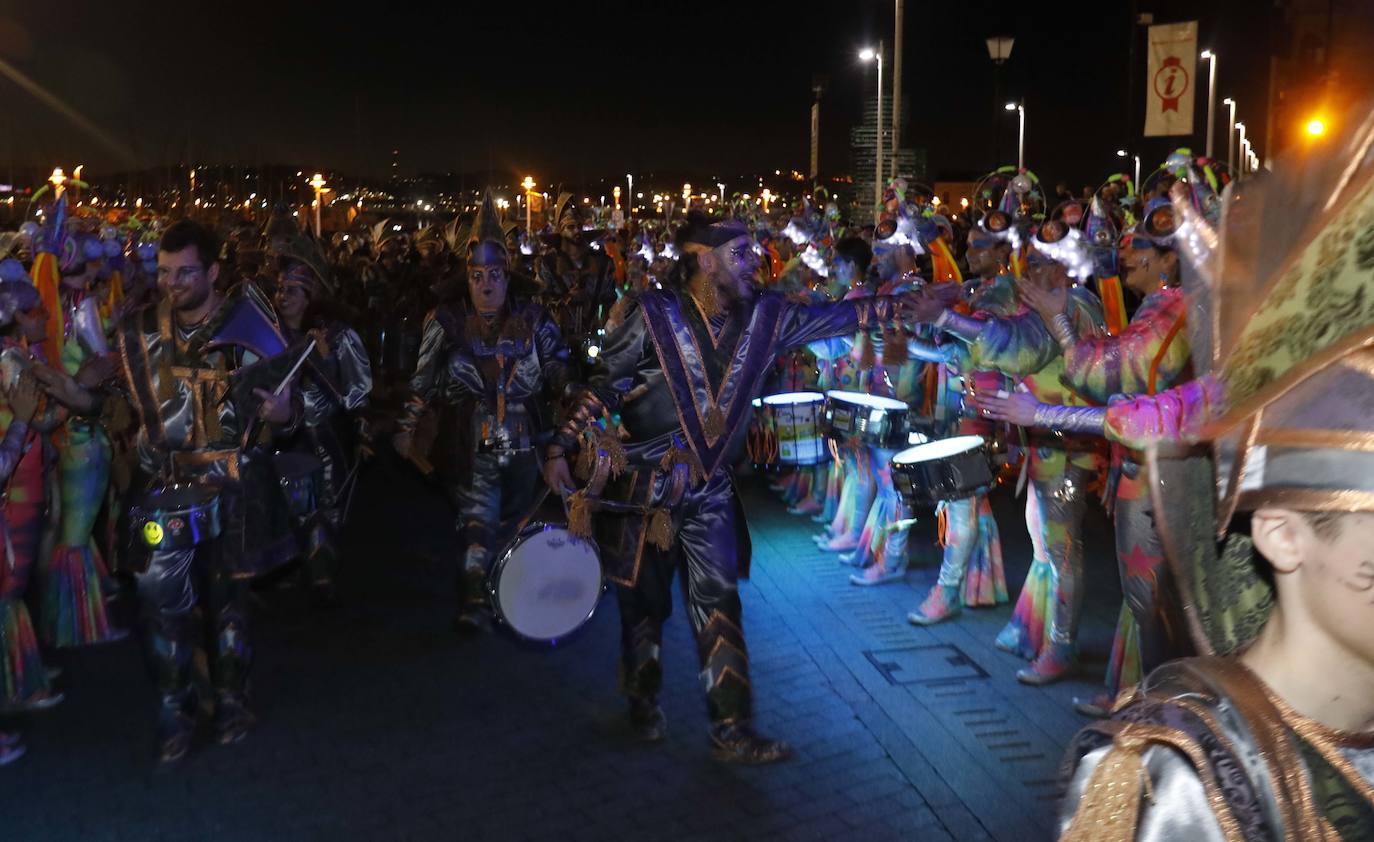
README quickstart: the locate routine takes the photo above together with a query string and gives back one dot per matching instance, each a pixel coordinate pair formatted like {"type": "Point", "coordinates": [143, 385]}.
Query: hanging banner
{"type": "Point", "coordinates": [1171, 79]}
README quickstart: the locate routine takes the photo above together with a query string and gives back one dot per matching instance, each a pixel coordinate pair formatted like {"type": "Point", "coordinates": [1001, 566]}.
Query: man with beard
{"type": "Point", "coordinates": [178, 357]}
{"type": "Point", "coordinates": [679, 368]}
{"type": "Point", "coordinates": [493, 363]}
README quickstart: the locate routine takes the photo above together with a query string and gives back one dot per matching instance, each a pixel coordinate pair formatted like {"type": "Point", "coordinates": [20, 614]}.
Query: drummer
{"type": "Point", "coordinates": [177, 357]}
{"type": "Point", "coordinates": [971, 572]}
{"type": "Point", "coordinates": [684, 416]}
{"type": "Point", "coordinates": [493, 363]}
{"type": "Point", "coordinates": [335, 391]}
{"type": "Point", "coordinates": [1044, 627]}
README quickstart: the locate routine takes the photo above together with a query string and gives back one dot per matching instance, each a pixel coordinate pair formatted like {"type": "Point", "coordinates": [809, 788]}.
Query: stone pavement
{"type": "Point", "coordinates": [379, 722]}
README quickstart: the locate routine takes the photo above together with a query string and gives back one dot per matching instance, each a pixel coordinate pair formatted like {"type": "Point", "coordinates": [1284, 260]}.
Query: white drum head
{"type": "Point", "coordinates": [548, 584]}
{"type": "Point", "coordinates": [871, 401]}
{"type": "Point", "coordinates": [938, 449]}
{"type": "Point", "coordinates": [792, 398]}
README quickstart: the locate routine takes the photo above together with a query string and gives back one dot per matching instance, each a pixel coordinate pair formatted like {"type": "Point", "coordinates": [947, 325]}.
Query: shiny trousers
{"type": "Point", "coordinates": [710, 541]}
{"type": "Point", "coordinates": [1147, 582]}
{"type": "Point", "coordinates": [189, 602]}
{"type": "Point", "coordinates": [490, 502]}
{"type": "Point", "coordinates": [1063, 501]}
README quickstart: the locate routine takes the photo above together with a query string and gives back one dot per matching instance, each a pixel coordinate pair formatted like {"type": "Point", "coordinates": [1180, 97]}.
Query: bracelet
{"type": "Point", "coordinates": [1071, 419]}
{"type": "Point", "coordinates": [1063, 331]}
{"type": "Point", "coordinates": [960, 326]}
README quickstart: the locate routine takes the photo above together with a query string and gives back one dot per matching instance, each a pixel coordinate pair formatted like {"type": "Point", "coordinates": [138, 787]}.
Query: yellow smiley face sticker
{"type": "Point", "coordinates": [152, 533]}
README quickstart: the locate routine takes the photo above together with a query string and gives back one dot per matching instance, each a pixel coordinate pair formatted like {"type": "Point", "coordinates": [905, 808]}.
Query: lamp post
{"type": "Point", "coordinates": [528, 184]}
{"type": "Point", "coordinates": [999, 50]}
{"type": "Point", "coordinates": [896, 84]}
{"type": "Point", "coordinates": [1231, 133]}
{"type": "Point", "coordinates": [1211, 59]}
{"type": "Point", "coordinates": [869, 54]}
{"type": "Point", "coordinates": [1122, 153]}
{"type": "Point", "coordinates": [1249, 156]}
{"type": "Point", "coordinates": [1244, 144]}
{"type": "Point", "coordinates": [1020, 109]}
{"type": "Point", "coordinates": [320, 189]}
{"type": "Point", "coordinates": [631, 192]}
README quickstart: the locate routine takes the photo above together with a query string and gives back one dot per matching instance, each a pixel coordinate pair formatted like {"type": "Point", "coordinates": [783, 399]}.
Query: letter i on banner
{"type": "Point", "coordinates": [1171, 79]}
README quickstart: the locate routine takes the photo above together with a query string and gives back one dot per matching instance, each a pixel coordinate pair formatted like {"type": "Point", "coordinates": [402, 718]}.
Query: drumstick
{"type": "Point", "coordinates": [295, 368]}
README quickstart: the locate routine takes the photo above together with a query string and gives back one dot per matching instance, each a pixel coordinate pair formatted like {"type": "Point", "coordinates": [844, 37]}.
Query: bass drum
{"type": "Point", "coordinates": [547, 583]}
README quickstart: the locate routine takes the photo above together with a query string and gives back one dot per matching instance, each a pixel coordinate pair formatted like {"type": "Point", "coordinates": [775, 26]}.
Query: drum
{"type": "Point", "coordinates": [298, 474]}
{"type": "Point", "coordinates": [799, 420]}
{"type": "Point", "coordinates": [176, 517]}
{"type": "Point", "coordinates": [546, 584]}
{"type": "Point", "coordinates": [949, 469]}
{"type": "Point", "coordinates": [872, 420]}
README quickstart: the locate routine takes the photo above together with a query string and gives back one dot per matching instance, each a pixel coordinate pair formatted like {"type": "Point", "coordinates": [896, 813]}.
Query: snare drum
{"type": "Point", "coordinates": [872, 420]}
{"type": "Point", "coordinates": [546, 584]}
{"type": "Point", "coordinates": [798, 418]}
{"type": "Point", "coordinates": [176, 517]}
{"type": "Point", "coordinates": [949, 469]}
{"type": "Point", "coordinates": [298, 475]}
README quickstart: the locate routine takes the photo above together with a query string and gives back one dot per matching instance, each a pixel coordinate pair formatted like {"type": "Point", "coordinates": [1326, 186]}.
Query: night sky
{"type": "Point", "coordinates": [575, 91]}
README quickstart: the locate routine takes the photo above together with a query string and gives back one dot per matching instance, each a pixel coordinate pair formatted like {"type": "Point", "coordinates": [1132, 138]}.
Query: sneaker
{"type": "Point", "coordinates": [232, 719]}
{"type": "Point", "coordinates": [11, 753]}
{"type": "Point", "coordinates": [647, 720]}
{"type": "Point", "coordinates": [1098, 707]}
{"type": "Point", "coordinates": [939, 605]}
{"type": "Point", "coordinates": [1055, 662]}
{"type": "Point", "coordinates": [874, 576]}
{"type": "Point", "coordinates": [42, 701]}
{"type": "Point", "coordinates": [736, 742]}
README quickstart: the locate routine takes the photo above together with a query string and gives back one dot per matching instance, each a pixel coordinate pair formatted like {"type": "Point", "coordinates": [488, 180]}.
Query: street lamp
{"type": "Point", "coordinates": [1211, 59]}
{"type": "Point", "coordinates": [868, 54]}
{"type": "Point", "coordinates": [317, 182]}
{"type": "Point", "coordinates": [999, 50]}
{"type": "Point", "coordinates": [1249, 156]}
{"type": "Point", "coordinates": [1244, 144]}
{"type": "Point", "coordinates": [1020, 108]}
{"type": "Point", "coordinates": [1231, 133]}
{"type": "Point", "coordinates": [528, 184]}
{"type": "Point", "coordinates": [1122, 153]}
{"type": "Point", "coordinates": [1314, 127]}
{"type": "Point", "coordinates": [631, 179]}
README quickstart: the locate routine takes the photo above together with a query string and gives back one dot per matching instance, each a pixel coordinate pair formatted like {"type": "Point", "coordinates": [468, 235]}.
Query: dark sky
{"type": "Point", "coordinates": [570, 91]}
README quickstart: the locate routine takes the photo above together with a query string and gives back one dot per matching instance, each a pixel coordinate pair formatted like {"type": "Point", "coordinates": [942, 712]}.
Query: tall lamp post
{"type": "Point", "coordinates": [1020, 109]}
{"type": "Point", "coordinates": [631, 192]}
{"type": "Point", "coordinates": [868, 54]}
{"type": "Point", "coordinates": [1121, 153]}
{"type": "Point", "coordinates": [1244, 145]}
{"type": "Point", "coordinates": [528, 184]}
{"type": "Point", "coordinates": [1231, 134]}
{"type": "Point", "coordinates": [320, 189]}
{"type": "Point", "coordinates": [999, 50]}
{"type": "Point", "coordinates": [1211, 59]}
{"type": "Point", "coordinates": [896, 84]}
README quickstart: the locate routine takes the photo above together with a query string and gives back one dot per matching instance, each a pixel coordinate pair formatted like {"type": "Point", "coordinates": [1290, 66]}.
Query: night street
{"type": "Point", "coordinates": [378, 721]}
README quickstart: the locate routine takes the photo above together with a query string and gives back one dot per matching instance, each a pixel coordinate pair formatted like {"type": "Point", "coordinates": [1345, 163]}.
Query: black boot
{"type": "Point", "coordinates": [647, 720]}
{"type": "Point", "coordinates": [232, 718]}
{"type": "Point", "coordinates": [735, 741]}
{"type": "Point", "coordinates": [176, 726]}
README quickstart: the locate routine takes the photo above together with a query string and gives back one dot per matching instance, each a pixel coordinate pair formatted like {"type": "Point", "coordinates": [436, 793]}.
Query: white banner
{"type": "Point", "coordinates": [1171, 79]}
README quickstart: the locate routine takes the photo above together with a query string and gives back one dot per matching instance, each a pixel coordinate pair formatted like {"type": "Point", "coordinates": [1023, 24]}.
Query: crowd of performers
{"type": "Point", "coordinates": [185, 411]}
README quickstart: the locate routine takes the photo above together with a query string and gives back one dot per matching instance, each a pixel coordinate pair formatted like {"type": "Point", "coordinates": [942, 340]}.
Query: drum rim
{"type": "Point", "coordinates": [868, 401]}
{"type": "Point", "coordinates": [981, 442]}
{"type": "Point", "coordinates": [532, 528]}
{"type": "Point", "coordinates": [807, 398]}
{"type": "Point", "coordinates": [211, 494]}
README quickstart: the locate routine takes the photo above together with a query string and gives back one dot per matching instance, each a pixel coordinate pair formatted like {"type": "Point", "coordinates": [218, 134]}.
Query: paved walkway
{"type": "Point", "coordinates": [379, 722]}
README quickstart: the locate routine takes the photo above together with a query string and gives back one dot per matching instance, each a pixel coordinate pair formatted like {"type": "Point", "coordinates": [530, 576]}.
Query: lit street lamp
{"type": "Point", "coordinates": [1211, 59]}
{"type": "Point", "coordinates": [1122, 153]}
{"type": "Point", "coordinates": [1231, 134]}
{"type": "Point", "coordinates": [528, 184]}
{"type": "Point", "coordinates": [868, 54]}
{"type": "Point", "coordinates": [1020, 108]}
{"type": "Point", "coordinates": [320, 189]}
{"type": "Point", "coordinates": [1244, 144]}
